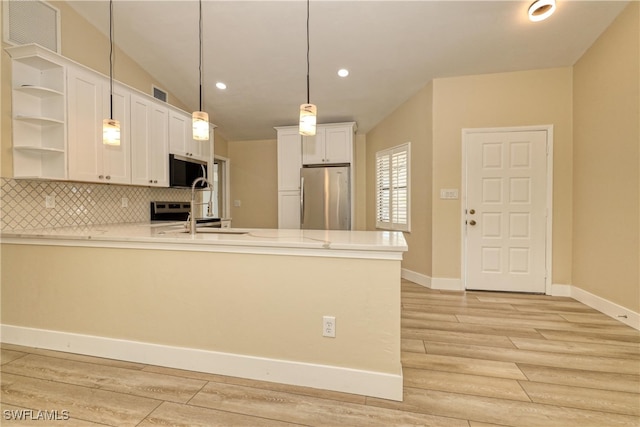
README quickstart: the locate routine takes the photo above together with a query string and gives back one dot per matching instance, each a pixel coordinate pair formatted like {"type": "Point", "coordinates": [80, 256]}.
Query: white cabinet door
{"type": "Point", "coordinates": [159, 154]}
{"type": "Point", "coordinates": [117, 159]}
{"type": "Point", "coordinates": [313, 148]}
{"type": "Point", "coordinates": [140, 140]}
{"type": "Point", "coordinates": [332, 144]}
{"type": "Point", "coordinates": [88, 105]}
{"type": "Point", "coordinates": [181, 140]}
{"type": "Point", "coordinates": [289, 209]}
{"type": "Point", "coordinates": [338, 144]}
{"type": "Point", "coordinates": [289, 160]}
{"type": "Point", "coordinates": [85, 93]}
{"type": "Point", "coordinates": [179, 125]}
{"type": "Point", "coordinates": [149, 142]}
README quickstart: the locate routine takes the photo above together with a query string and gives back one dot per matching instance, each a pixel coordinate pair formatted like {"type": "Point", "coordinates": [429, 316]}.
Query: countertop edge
{"type": "Point", "coordinates": [96, 237]}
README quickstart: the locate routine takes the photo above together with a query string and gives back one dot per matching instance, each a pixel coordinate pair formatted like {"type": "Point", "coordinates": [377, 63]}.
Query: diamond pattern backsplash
{"type": "Point", "coordinates": [22, 203]}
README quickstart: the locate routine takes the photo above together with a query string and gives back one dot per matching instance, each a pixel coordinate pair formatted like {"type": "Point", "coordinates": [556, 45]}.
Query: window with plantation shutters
{"type": "Point", "coordinates": [392, 188]}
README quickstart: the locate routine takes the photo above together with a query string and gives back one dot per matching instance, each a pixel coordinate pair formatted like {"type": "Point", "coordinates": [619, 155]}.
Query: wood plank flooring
{"type": "Point", "coordinates": [473, 359]}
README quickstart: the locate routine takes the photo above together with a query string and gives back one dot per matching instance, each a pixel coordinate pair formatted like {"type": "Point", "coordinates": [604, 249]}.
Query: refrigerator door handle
{"type": "Point", "coordinates": [301, 200]}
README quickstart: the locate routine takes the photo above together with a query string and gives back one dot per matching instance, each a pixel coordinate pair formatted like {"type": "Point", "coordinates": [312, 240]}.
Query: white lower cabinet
{"type": "Point", "coordinates": [149, 142]}
{"type": "Point", "coordinates": [289, 209]}
{"type": "Point", "coordinates": [88, 103]}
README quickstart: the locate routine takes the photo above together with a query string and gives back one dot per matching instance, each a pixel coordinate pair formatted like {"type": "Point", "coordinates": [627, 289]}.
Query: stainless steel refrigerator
{"type": "Point", "coordinates": [325, 199]}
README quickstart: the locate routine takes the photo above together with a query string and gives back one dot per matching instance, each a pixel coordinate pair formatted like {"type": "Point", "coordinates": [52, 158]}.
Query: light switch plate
{"type": "Point", "coordinates": [449, 193]}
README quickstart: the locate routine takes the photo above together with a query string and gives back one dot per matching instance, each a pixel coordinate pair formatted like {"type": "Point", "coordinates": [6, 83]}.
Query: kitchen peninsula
{"type": "Point", "coordinates": [247, 303]}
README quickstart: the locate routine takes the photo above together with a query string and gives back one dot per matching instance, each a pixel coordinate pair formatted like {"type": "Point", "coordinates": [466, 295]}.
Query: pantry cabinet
{"type": "Point", "coordinates": [88, 104]}
{"type": "Point", "coordinates": [289, 164]}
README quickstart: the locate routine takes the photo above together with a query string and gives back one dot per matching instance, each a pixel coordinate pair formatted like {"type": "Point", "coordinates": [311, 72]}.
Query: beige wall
{"type": "Point", "coordinates": [606, 147]}
{"type": "Point", "coordinates": [537, 97]}
{"type": "Point", "coordinates": [254, 182]}
{"type": "Point", "coordinates": [231, 303]}
{"type": "Point", "coordinates": [82, 43]}
{"type": "Point", "coordinates": [411, 122]}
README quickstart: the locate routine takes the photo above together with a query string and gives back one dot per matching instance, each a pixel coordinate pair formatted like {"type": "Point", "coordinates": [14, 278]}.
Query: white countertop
{"type": "Point", "coordinates": [328, 243]}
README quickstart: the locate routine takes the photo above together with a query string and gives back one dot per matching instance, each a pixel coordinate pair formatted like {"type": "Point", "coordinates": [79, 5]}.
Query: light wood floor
{"type": "Point", "coordinates": [475, 359]}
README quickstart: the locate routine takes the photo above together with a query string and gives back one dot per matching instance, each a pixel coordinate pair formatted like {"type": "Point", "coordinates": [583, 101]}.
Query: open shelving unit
{"type": "Point", "coordinates": [39, 113]}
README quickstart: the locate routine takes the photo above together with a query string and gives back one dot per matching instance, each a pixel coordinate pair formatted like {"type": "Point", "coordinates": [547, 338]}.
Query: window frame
{"type": "Point", "coordinates": [386, 203]}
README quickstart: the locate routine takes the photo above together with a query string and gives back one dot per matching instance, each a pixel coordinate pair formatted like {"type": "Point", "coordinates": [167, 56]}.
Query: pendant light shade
{"type": "Point", "coordinates": [200, 126]}
{"type": "Point", "coordinates": [200, 118]}
{"type": "Point", "coordinates": [308, 111]}
{"type": "Point", "coordinates": [110, 132]}
{"type": "Point", "coordinates": [111, 127]}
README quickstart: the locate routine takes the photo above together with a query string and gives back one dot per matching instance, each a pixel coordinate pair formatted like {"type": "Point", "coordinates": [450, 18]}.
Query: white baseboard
{"type": "Point", "coordinates": [558, 290]}
{"type": "Point", "coordinates": [604, 306]}
{"type": "Point", "coordinates": [417, 278]}
{"type": "Point", "coordinates": [607, 307]}
{"type": "Point", "coordinates": [368, 383]}
{"type": "Point", "coordinates": [446, 284]}
{"type": "Point", "coordinates": [432, 282]}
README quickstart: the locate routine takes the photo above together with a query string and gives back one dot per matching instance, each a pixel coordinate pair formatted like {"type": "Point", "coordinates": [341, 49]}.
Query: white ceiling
{"type": "Point", "coordinates": [392, 48]}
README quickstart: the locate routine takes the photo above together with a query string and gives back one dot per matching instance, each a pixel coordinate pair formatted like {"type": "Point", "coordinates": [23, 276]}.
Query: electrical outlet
{"type": "Point", "coordinates": [329, 326]}
{"type": "Point", "coordinates": [124, 202]}
{"type": "Point", "coordinates": [237, 203]}
{"type": "Point", "coordinates": [50, 201]}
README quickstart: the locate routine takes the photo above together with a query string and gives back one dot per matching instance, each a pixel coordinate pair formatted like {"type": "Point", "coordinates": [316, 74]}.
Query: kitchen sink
{"type": "Point", "coordinates": [211, 230]}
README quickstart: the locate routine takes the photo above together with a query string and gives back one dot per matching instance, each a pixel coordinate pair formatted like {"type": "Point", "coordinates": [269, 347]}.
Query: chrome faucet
{"type": "Point", "coordinates": [192, 214]}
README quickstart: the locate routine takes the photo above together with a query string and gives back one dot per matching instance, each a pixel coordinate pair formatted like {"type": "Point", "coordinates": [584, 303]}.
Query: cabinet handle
{"type": "Point", "coordinates": [100, 176]}
{"type": "Point", "coordinates": [155, 181]}
{"type": "Point", "coordinates": [108, 177]}
{"type": "Point", "coordinates": [150, 181]}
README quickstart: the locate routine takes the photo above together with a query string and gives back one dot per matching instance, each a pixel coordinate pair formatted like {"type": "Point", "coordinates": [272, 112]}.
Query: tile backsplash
{"type": "Point", "coordinates": [22, 203]}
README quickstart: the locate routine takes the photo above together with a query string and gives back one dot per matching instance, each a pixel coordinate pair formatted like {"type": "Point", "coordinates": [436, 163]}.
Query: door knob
{"type": "Point", "coordinates": [472, 222]}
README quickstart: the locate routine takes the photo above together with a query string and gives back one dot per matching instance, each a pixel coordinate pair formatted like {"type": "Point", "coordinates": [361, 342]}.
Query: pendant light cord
{"type": "Point", "coordinates": [308, 98]}
{"type": "Point", "coordinates": [200, 54]}
{"type": "Point", "coordinates": [111, 59]}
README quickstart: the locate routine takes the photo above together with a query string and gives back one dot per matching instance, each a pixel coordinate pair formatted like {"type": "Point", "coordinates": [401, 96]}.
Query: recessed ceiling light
{"type": "Point", "coordinates": [541, 10]}
{"type": "Point", "coordinates": [343, 72]}
{"type": "Point", "coordinates": [221, 86]}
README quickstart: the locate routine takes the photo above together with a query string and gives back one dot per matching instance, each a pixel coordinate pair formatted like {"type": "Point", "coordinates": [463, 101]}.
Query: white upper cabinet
{"type": "Point", "coordinates": [332, 144]}
{"type": "Point", "coordinates": [39, 113]}
{"type": "Point", "coordinates": [181, 140]}
{"type": "Point", "coordinates": [57, 111]}
{"type": "Point", "coordinates": [149, 142]}
{"type": "Point", "coordinates": [88, 103]}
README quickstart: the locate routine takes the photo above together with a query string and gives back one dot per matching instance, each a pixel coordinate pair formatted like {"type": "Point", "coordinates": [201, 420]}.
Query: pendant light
{"type": "Point", "coordinates": [111, 127]}
{"type": "Point", "coordinates": [200, 118]}
{"type": "Point", "coordinates": [308, 111]}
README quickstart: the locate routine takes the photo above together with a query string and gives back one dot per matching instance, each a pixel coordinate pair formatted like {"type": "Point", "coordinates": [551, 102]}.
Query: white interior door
{"type": "Point", "coordinates": [506, 211]}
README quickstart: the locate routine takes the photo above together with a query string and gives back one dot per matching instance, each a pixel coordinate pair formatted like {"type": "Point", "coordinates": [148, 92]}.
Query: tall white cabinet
{"type": "Point", "coordinates": [289, 164]}
{"type": "Point", "coordinates": [332, 144]}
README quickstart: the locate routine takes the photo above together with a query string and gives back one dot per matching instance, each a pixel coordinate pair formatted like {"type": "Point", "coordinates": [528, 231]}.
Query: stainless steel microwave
{"type": "Point", "coordinates": [183, 171]}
